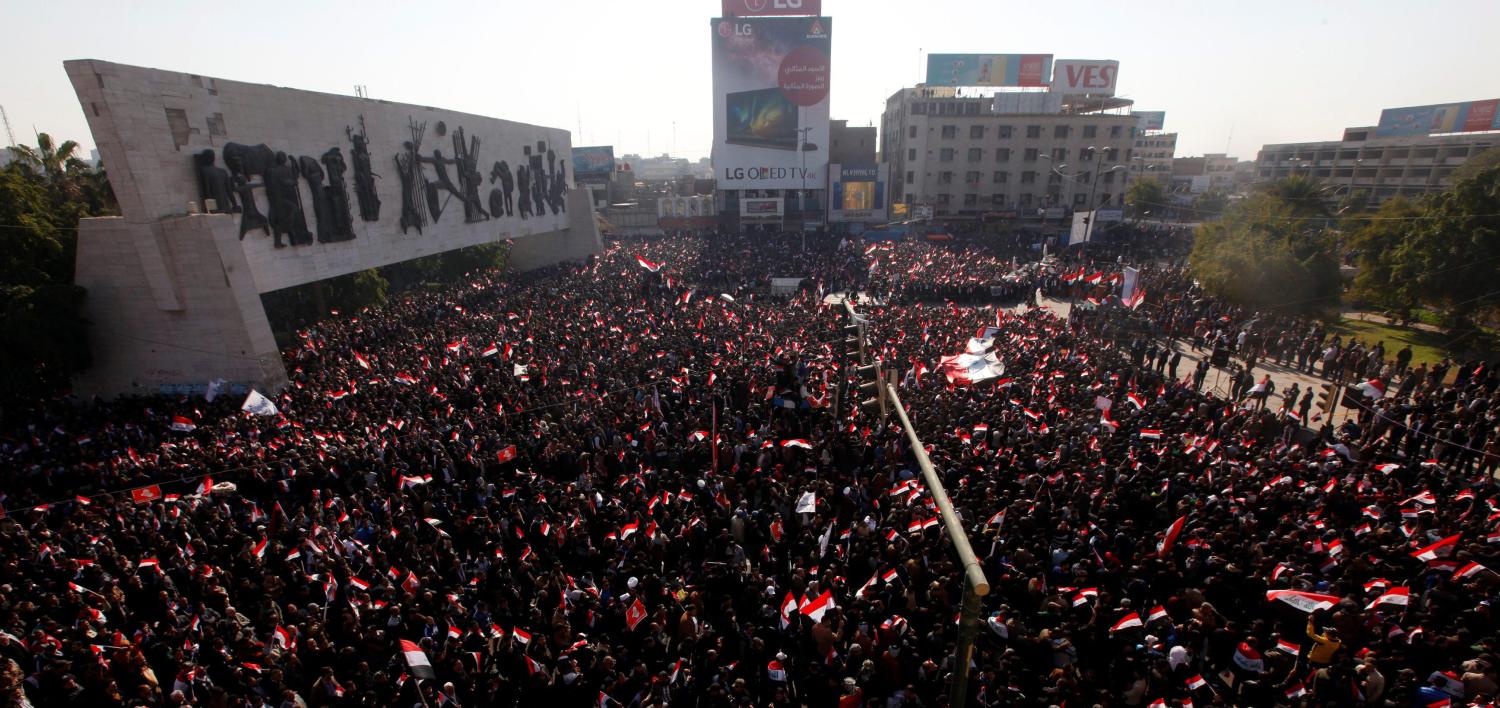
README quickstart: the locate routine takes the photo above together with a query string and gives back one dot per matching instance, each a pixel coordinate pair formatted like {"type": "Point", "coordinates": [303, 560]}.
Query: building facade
{"type": "Point", "coordinates": [1380, 167]}
{"type": "Point", "coordinates": [1153, 155]}
{"type": "Point", "coordinates": [851, 146]}
{"type": "Point", "coordinates": [1011, 152]}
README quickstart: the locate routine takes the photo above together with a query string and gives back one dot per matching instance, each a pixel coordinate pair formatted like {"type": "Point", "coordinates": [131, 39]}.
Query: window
{"type": "Point", "coordinates": [971, 177]}
{"type": "Point", "coordinates": [946, 154]}
{"type": "Point", "coordinates": [997, 199]}
{"type": "Point", "coordinates": [911, 153]}
{"type": "Point", "coordinates": [1059, 155]}
{"type": "Point", "coordinates": [942, 199]}
{"type": "Point", "coordinates": [1114, 131]}
{"type": "Point", "coordinates": [919, 109]}
{"type": "Point", "coordinates": [976, 154]}
{"type": "Point", "coordinates": [1026, 200]}
{"type": "Point", "coordinates": [908, 199]}
{"type": "Point", "coordinates": [1086, 154]}
{"type": "Point", "coordinates": [1030, 155]}
{"type": "Point", "coordinates": [1002, 154]}
{"type": "Point", "coordinates": [1109, 177]}
{"type": "Point", "coordinates": [1109, 154]}
{"type": "Point", "coordinates": [1085, 178]}
{"type": "Point", "coordinates": [1033, 131]}
{"type": "Point", "coordinates": [1090, 131]}
{"type": "Point", "coordinates": [1079, 199]}
{"type": "Point", "coordinates": [1059, 131]}
{"type": "Point", "coordinates": [1001, 177]}
{"type": "Point", "coordinates": [911, 132]}
{"type": "Point", "coordinates": [1054, 178]}
{"type": "Point", "coordinates": [945, 177]}
{"type": "Point", "coordinates": [1028, 177]}
{"type": "Point", "coordinates": [950, 132]}
{"type": "Point", "coordinates": [976, 132]}
{"type": "Point", "coordinates": [971, 200]}
{"type": "Point", "coordinates": [1004, 132]}
{"type": "Point", "coordinates": [910, 176]}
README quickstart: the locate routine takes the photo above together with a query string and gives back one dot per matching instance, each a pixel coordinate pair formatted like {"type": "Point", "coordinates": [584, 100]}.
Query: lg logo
{"type": "Point", "coordinates": [737, 29]}
{"type": "Point", "coordinates": [760, 5]}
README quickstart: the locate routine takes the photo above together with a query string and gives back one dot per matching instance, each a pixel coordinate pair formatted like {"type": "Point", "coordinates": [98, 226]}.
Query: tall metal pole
{"type": "Point", "coordinates": [976, 586]}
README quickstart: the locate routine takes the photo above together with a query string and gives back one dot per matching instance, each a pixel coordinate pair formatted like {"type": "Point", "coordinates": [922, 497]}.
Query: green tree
{"type": "Point", "coordinates": [1210, 204]}
{"type": "Point", "coordinates": [1477, 165]}
{"type": "Point", "coordinates": [1449, 258]}
{"type": "Point", "coordinates": [1146, 194]}
{"type": "Point", "coordinates": [1305, 196]}
{"type": "Point", "coordinates": [43, 339]}
{"type": "Point", "coordinates": [1262, 253]}
{"type": "Point", "coordinates": [1385, 259]}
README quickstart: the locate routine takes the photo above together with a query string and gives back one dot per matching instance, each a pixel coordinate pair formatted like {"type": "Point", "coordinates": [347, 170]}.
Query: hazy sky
{"type": "Point", "coordinates": [1229, 73]}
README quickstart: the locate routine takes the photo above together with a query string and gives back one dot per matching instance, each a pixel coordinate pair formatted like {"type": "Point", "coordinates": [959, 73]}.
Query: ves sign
{"type": "Point", "coordinates": [1085, 76]}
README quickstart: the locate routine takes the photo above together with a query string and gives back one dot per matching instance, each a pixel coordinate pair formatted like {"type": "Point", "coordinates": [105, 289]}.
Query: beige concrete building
{"type": "Point", "coordinates": [1153, 155]}
{"type": "Point", "coordinates": [967, 155]}
{"type": "Point", "coordinates": [1380, 167]}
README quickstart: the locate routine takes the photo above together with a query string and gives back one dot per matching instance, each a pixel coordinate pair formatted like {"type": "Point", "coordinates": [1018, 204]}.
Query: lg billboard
{"type": "Point", "coordinates": [763, 8]}
{"type": "Point", "coordinates": [771, 87]}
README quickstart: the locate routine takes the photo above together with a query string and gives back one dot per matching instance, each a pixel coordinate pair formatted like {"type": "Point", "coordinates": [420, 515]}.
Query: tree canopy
{"type": "Point", "coordinates": [1266, 252]}
{"type": "Point", "coordinates": [1144, 195]}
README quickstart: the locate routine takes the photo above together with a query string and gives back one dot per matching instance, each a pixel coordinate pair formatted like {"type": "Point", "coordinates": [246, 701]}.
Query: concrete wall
{"type": "Point", "coordinates": [175, 296]}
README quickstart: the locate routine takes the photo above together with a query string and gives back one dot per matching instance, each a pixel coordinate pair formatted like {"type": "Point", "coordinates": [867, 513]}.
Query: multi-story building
{"type": "Point", "coordinates": [1153, 155]}
{"type": "Point", "coordinates": [1213, 171]}
{"type": "Point", "coordinates": [1013, 151]}
{"type": "Point", "coordinates": [1380, 167]}
{"type": "Point", "coordinates": [850, 146]}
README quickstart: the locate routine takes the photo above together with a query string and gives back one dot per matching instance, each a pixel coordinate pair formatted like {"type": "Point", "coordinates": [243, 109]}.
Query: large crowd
{"type": "Point", "coordinates": [641, 481]}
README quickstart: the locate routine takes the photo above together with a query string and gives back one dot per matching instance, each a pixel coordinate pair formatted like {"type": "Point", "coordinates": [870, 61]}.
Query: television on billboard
{"type": "Point", "coordinates": [1466, 117]}
{"type": "Point", "coordinates": [765, 8]}
{"type": "Point", "coordinates": [858, 193]}
{"type": "Point", "coordinates": [1027, 70]}
{"type": "Point", "coordinates": [1150, 120]}
{"type": "Point", "coordinates": [771, 87]}
{"type": "Point", "coordinates": [593, 161]}
{"type": "Point", "coordinates": [1091, 76]}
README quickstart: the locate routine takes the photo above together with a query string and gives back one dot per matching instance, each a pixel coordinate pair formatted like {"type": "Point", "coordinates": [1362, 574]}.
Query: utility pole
{"type": "Point", "coordinates": [976, 586]}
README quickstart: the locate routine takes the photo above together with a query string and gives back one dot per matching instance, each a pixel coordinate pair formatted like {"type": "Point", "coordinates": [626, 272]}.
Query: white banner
{"type": "Point", "coordinates": [1127, 289]}
{"type": "Point", "coordinates": [257, 404]}
{"type": "Point", "coordinates": [1091, 76]}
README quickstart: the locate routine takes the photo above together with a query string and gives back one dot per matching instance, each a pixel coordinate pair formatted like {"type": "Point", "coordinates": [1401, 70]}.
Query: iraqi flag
{"type": "Point", "coordinates": [1398, 595]}
{"type": "Point", "coordinates": [1441, 549]}
{"type": "Point", "coordinates": [1127, 622]}
{"type": "Point", "coordinates": [506, 454]}
{"type": "Point", "coordinates": [815, 609]}
{"type": "Point", "coordinates": [1173, 531]}
{"type": "Point", "coordinates": [1247, 658]}
{"type": "Point", "coordinates": [971, 368]}
{"type": "Point", "coordinates": [417, 660]}
{"type": "Point", "coordinates": [183, 424]}
{"type": "Point", "coordinates": [1304, 601]}
{"type": "Point", "coordinates": [145, 495]}
{"type": "Point", "coordinates": [635, 614]}
{"type": "Point", "coordinates": [1473, 568]}
{"type": "Point", "coordinates": [775, 671]}
{"type": "Point", "coordinates": [648, 265]}
{"type": "Point", "coordinates": [1374, 388]}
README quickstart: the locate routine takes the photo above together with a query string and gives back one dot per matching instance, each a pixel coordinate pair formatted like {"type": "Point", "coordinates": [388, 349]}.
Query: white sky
{"type": "Point", "coordinates": [1229, 73]}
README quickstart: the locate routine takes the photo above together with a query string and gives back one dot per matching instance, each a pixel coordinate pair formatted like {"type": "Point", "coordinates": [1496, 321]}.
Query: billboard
{"type": "Point", "coordinates": [1466, 117]}
{"type": "Point", "coordinates": [598, 161]}
{"type": "Point", "coordinates": [1149, 120]}
{"type": "Point", "coordinates": [766, 8]}
{"type": "Point", "coordinates": [858, 193]}
{"type": "Point", "coordinates": [761, 210]}
{"type": "Point", "coordinates": [771, 85]}
{"type": "Point", "coordinates": [1091, 76]}
{"type": "Point", "coordinates": [989, 69]}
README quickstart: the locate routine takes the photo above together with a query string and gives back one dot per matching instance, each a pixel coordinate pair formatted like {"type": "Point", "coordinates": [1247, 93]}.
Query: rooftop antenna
{"type": "Point", "coordinates": [578, 108]}
{"type": "Point", "coordinates": [361, 90]}
{"type": "Point", "coordinates": [9, 135]}
{"type": "Point", "coordinates": [1228, 141]}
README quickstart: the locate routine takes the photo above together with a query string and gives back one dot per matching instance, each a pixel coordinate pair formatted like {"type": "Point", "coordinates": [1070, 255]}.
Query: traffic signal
{"type": "Point", "coordinates": [1327, 399]}
{"type": "Point", "coordinates": [872, 388]}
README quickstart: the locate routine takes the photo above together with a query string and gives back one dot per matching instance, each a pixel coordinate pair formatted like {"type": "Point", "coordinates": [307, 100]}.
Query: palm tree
{"type": "Point", "coordinates": [55, 163]}
{"type": "Point", "coordinates": [1307, 196]}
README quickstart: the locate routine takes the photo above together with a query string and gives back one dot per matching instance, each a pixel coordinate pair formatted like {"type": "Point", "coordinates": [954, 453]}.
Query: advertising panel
{"type": "Point", "coordinates": [858, 193]}
{"type": "Point", "coordinates": [989, 69]}
{"type": "Point", "coordinates": [1150, 120]}
{"type": "Point", "coordinates": [1091, 76]}
{"type": "Point", "coordinates": [771, 86]}
{"type": "Point", "coordinates": [1467, 117]}
{"type": "Point", "coordinates": [598, 161]}
{"type": "Point", "coordinates": [764, 8]}
{"type": "Point", "coordinates": [760, 210]}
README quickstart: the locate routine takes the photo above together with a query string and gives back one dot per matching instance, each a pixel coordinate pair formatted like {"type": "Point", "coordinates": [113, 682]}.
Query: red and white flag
{"type": "Point", "coordinates": [1473, 568]}
{"type": "Point", "coordinates": [417, 660]}
{"type": "Point", "coordinates": [1374, 388]}
{"type": "Point", "coordinates": [817, 608]}
{"type": "Point", "coordinates": [183, 424]}
{"type": "Point", "coordinates": [1196, 682]}
{"type": "Point", "coordinates": [1173, 531]}
{"type": "Point", "coordinates": [506, 454]}
{"type": "Point", "coordinates": [635, 614]}
{"type": "Point", "coordinates": [521, 635]}
{"type": "Point", "coordinates": [1395, 596]}
{"type": "Point", "coordinates": [1441, 549]}
{"type": "Point", "coordinates": [797, 442]}
{"type": "Point", "coordinates": [648, 265]}
{"type": "Point", "coordinates": [1126, 622]}
{"type": "Point", "coordinates": [144, 495]}
{"type": "Point", "coordinates": [970, 368]}
{"type": "Point", "coordinates": [1157, 613]}
{"type": "Point", "coordinates": [1305, 601]}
